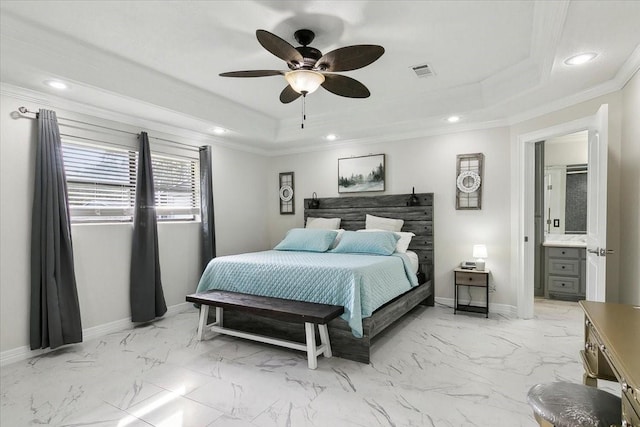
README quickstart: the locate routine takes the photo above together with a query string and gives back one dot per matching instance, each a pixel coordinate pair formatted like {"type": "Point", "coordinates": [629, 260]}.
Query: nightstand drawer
{"type": "Point", "coordinates": [564, 267]}
{"type": "Point", "coordinates": [564, 284]}
{"type": "Point", "coordinates": [471, 279]}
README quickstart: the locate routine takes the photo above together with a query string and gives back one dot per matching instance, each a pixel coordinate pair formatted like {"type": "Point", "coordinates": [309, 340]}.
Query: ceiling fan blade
{"type": "Point", "coordinates": [279, 47]}
{"type": "Point", "coordinates": [253, 73]}
{"type": "Point", "coordinates": [349, 58]}
{"type": "Point", "coordinates": [288, 95]}
{"type": "Point", "coordinates": [345, 86]}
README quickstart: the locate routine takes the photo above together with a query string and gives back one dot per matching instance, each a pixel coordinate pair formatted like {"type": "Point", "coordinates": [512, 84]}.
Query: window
{"type": "Point", "coordinates": [176, 186]}
{"type": "Point", "coordinates": [101, 183]}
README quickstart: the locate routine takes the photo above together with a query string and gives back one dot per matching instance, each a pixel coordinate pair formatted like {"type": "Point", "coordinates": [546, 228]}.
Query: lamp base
{"type": "Point", "coordinates": [480, 265]}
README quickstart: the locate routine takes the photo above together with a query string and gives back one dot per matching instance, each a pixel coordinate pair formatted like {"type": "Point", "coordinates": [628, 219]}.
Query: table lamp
{"type": "Point", "coordinates": [480, 253]}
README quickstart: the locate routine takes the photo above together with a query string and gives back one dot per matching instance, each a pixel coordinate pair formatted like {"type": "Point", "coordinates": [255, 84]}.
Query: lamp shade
{"type": "Point", "coordinates": [304, 81]}
{"type": "Point", "coordinates": [480, 251]}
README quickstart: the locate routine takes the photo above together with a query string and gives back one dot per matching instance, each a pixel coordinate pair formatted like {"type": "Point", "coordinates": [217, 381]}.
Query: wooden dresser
{"type": "Point", "coordinates": [612, 352]}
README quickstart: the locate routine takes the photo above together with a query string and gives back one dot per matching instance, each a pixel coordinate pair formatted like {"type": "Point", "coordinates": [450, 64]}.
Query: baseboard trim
{"type": "Point", "coordinates": [21, 353]}
{"type": "Point", "coordinates": [503, 309]}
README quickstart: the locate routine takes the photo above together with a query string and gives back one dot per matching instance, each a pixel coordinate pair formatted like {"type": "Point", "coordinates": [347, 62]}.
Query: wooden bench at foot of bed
{"type": "Point", "coordinates": [310, 314]}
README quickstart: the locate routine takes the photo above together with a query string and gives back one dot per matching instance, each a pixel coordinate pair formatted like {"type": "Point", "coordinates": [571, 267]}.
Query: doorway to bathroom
{"type": "Point", "coordinates": [561, 176]}
{"type": "Point", "coordinates": [524, 196]}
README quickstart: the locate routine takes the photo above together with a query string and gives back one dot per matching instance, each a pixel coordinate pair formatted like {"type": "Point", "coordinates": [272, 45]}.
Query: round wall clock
{"type": "Point", "coordinates": [468, 181]}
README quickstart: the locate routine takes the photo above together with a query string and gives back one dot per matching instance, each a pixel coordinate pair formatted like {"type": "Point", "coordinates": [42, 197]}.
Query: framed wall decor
{"type": "Point", "coordinates": [360, 174]}
{"type": "Point", "coordinates": [469, 173]}
{"type": "Point", "coordinates": [285, 190]}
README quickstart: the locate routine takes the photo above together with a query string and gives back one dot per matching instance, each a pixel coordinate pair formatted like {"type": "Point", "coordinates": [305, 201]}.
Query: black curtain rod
{"type": "Point", "coordinates": [23, 110]}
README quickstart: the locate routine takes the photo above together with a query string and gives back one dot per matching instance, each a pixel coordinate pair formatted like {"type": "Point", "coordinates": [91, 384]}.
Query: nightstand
{"type": "Point", "coordinates": [462, 277]}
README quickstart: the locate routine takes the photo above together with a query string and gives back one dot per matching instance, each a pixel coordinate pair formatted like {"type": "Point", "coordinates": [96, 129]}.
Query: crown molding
{"type": "Point", "coordinates": [163, 130]}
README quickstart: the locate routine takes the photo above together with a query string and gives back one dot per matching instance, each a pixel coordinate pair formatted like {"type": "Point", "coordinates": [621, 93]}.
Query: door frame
{"type": "Point", "coordinates": [524, 196]}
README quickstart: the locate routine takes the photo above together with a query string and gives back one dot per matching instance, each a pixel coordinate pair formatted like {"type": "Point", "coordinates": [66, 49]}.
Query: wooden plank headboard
{"type": "Point", "coordinates": [417, 219]}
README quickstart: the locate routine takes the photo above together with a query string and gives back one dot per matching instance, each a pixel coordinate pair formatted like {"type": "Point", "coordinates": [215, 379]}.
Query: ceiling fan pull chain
{"type": "Point", "coordinates": [304, 113]}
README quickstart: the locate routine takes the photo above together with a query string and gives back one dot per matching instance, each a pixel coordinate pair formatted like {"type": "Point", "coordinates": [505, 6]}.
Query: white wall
{"type": "Point", "coordinates": [630, 189]}
{"type": "Point", "coordinates": [575, 152]}
{"type": "Point", "coordinates": [429, 165]}
{"type": "Point", "coordinates": [102, 251]}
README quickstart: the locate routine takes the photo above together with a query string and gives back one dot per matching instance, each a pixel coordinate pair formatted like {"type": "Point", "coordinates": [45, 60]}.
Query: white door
{"type": "Point", "coordinates": [597, 206]}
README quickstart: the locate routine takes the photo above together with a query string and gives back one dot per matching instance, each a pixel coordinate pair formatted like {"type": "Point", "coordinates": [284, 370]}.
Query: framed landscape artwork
{"type": "Point", "coordinates": [360, 174]}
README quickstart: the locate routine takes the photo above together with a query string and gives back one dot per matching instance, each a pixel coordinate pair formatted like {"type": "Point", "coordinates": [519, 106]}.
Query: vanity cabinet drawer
{"type": "Point", "coordinates": [564, 252]}
{"type": "Point", "coordinates": [564, 267]}
{"type": "Point", "coordinates": [569, 285]}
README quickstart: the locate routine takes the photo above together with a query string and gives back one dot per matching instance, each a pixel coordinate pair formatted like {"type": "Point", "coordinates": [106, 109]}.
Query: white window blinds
{"type": "Point", "coordinates": [177, 187]}
{"type": "Point", "coordinates": [101, 183]}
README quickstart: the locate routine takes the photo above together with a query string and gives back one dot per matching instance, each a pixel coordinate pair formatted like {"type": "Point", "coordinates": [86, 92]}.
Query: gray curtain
{"type": "Point", "coordinates": [207, 225]}
{"type": "Point", "coordinates": [147, 298]}
{"type": "Point", "coordinates": [55, 312]}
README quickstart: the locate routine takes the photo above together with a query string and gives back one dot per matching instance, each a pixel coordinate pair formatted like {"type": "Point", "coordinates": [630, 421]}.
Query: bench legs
{"type": "Point", "coordinates": [202, 324]}
{"type": "Point", "coordinates": [324, 340]}
{"type": "Point", "coordinates": [310, 346]}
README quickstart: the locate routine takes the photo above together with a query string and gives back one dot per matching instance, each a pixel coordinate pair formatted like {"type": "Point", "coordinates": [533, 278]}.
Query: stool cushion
{"type": "Point", "coordinates": [575, 405]}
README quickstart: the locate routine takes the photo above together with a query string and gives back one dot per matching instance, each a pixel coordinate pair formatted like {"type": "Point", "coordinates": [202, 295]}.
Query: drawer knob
{"type": "Point", "coordinates": [562, 252]}
{"type": "Point", "coordinates": [589, 346]}
{"type": "Point", "coordinates": [562, 284]}
{"type": "Point", "coordinates": [626, 423]}
{"type": "Point", "coordinates": [563, 267]}
{"type": "Point", "coordinates": [625, 386]}
{"type": "Point", "coordinates": [586, 322]}
{"type": "Point", "coordinates": [602, 347]}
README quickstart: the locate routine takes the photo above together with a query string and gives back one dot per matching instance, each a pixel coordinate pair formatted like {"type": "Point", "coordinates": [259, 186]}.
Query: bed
{"type": "Point", "coordinates": [382, 302]}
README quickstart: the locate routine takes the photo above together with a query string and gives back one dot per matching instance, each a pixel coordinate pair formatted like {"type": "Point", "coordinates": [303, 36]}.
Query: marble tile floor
{"type": "Point", "coordinates": [433, 368]}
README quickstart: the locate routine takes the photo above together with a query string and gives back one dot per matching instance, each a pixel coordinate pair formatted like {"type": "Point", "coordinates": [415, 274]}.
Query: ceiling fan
{"type": "Point", "coordinates": [310, 69]}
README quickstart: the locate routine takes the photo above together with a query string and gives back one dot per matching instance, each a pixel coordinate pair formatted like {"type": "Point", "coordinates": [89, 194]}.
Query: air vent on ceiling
{"type": "Point", "coordinates": [423, 70]}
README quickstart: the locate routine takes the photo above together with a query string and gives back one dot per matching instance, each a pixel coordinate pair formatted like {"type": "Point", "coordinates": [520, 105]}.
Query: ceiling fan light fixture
{"type": "Point", "coordinates": [304, 81]}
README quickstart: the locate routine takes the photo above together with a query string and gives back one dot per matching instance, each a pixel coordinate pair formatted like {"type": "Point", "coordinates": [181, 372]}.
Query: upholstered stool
{"type": "Point", "coordinates": [574, 405]}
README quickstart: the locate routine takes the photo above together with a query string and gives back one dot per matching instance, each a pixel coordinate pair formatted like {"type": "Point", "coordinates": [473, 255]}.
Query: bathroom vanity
{"type": "Point", "coordinates": [565, 269]}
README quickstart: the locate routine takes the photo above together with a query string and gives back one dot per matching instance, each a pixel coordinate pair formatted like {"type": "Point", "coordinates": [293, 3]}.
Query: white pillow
{"type": "Point", "coordinates": [403, 243]}
{"type": "Point", "coordinates": [323, 223]}
{"type": "Point", "coordinates": [338, 237]}
{"type": "Point", "coordinates": [380, 223]}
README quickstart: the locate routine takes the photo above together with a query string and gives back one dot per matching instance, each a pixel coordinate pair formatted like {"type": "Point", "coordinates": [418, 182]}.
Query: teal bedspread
{"type": "Point", "coordinates": [359, 283]}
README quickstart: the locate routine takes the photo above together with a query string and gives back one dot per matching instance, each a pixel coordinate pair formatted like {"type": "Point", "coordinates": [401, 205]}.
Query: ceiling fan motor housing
{"type": "Point", "coordinates": [310, 55]}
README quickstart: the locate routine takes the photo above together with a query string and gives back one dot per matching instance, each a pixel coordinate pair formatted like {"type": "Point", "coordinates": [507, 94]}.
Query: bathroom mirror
{"type": "Point", "coordinates": [565, 184]}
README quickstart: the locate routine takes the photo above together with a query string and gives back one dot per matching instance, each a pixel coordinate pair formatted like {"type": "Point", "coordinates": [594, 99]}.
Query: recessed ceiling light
{"type": "Point", "coordinates": [453, 119]}
{"type": "Point", "coordinates": [218, 130]}
{"type": "Point", "coordinates": [580, 59]}
{"type": "Point", "coordinates": [331, 137]}
{"type": "Point", "coordinates": [56, 84]}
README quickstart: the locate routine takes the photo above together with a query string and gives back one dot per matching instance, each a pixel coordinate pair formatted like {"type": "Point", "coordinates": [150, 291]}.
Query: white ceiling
{"type": "Point", "coordinates": [495, 62]}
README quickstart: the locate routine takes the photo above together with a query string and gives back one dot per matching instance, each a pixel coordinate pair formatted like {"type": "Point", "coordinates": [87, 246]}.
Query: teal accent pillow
{"type": "Point", "coordinates": [375, 243]}
{"type": "Point", "coordinates": [307, 240]}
